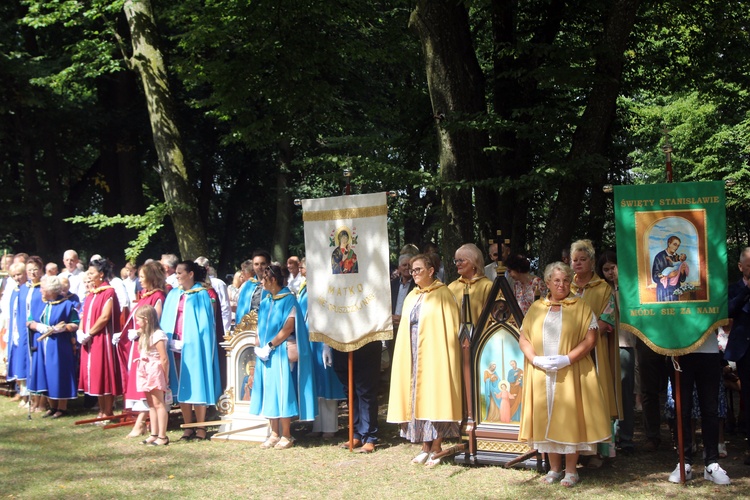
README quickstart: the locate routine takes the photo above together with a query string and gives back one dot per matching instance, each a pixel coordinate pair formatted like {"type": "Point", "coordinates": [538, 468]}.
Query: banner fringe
{"type": "Point", "coordinates": [674, 352]}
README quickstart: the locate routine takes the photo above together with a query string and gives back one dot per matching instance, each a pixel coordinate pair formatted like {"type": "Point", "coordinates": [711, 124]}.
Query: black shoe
{"type": "Point", "coordinates": [157, 443]}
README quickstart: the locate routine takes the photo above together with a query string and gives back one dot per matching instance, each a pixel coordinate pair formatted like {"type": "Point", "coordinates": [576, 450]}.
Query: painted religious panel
{"type": "Point", "coordinates": [499, 378]}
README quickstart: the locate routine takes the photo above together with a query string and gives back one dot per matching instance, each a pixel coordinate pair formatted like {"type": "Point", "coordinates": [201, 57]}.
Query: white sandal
{"type": "Point", "coordinates": [570, 480]}
{"type": "Point", "coordinates": [433, 462]}
{"type": "Point", "coordinates": [551, 477]}
{"type": "Point", "coordinates": [421, 458]}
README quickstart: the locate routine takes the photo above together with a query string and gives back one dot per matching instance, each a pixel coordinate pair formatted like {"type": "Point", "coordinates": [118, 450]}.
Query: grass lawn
{"type": "Point", "coordinates": [43, 458]}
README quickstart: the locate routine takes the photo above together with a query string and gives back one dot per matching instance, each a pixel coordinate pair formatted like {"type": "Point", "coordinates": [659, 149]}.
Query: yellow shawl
{"type": "Point", "coordinates": [579, 413]}
{"type": "Point", "coordinates": [596, 293]}
{"type": "Point", "coordinates": [438, 395]}
{"type": "Point", "coordinates": [479, 290]}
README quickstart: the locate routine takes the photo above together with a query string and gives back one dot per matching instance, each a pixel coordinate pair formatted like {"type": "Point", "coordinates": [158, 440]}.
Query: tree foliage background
{"type": "Point", "coordinates": [481, 115]}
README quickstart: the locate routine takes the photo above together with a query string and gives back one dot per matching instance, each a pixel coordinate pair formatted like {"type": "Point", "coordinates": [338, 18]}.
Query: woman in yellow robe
{"type": "Point", "coordinates": [425, 395]}
{"type": "Point", "coordinates": [564, 411]}
{"type": "Point", "coordinates": [597, 293]}
{"type": "Point", "coordinates": [469, 262]}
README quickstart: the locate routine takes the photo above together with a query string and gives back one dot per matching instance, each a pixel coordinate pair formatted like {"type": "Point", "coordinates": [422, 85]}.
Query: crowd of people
{"type": "Point", "coordinates": [152, 335]}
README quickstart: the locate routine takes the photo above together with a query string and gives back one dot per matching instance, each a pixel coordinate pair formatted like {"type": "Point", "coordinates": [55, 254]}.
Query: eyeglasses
{"type": "Point", "coordinates": [459, 261]}
{"type": "Point", "coordinates": [416, 270]}
{"type": "Point", "coordinates": [561, 282]}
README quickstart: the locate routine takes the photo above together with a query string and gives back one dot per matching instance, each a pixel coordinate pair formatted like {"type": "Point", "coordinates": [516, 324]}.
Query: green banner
{"type": "Point", "coordinates": [672, 263]}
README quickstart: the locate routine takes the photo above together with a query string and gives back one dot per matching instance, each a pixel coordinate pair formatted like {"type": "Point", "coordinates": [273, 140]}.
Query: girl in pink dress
{"type": "Point", "coordinates": [153, 370]}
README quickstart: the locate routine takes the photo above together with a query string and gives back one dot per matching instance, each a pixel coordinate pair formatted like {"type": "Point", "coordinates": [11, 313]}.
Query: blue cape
{"type": "Point", "coordinates": [199, 381]}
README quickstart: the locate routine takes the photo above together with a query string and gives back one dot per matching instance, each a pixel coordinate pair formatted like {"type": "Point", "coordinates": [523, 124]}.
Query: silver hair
{"type": "Point", "coordinates": [51, 284]}
{"type": "Point", "coordinates": [745, 254]}
{"type": "Point", "coordinates": [557, 266]}
{"type": "Point", "coordinates": [475, 257]}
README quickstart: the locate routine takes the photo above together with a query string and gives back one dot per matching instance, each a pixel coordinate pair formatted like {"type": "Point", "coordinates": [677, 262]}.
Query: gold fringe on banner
{"type": "Point", "coordinates": [353, 346]}
{"type": "Point", "coordinates": [674, 352]}
{"type": "Point", "coordinates": [344, 213]}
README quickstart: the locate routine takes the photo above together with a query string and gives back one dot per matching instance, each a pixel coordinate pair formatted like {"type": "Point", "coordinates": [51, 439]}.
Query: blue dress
{"type": "Point", "coordinates": [283, 389]}
{"type": "Point", "coordinates": [19, 356]}
{"type": "Point", "coordinates": [57, 350]}
{"type": "Point", "coordinates": [37, 381]}
{"type": "Point", "coordinates": [327, 384]}
{"type": "Point", "coordinates": [199, 381]}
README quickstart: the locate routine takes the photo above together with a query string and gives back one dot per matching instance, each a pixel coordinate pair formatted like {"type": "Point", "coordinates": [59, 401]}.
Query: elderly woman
{"type": "Point", "coordinates": [100, 370]}
{"type": "Point", "coordinates": [526, 287]}
{"type": "Point", "coordinates": [470, 264]}
{"type": "Point", "coordinates": [188, 320]}
{"type": "Point", "coordinates": [425, 395]}
{"type": "Point", "coordinates": [36, 382]}
{"type": "Point", "coordinates": [57, 324]}
{"type": "Point", "coordinates": [284, 385]}
{"type": "Point", "coordinates": [597, 294]}
{"type": "Point", "coordinates": [564, 411]}
{"type": "Point", "coordinates": [153, 283]}
{"type": "Point", "coordinates": [18, 339]}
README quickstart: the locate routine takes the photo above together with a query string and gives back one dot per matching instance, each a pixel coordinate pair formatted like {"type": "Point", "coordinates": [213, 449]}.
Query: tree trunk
{"type": "Point", "coordinates": [586, 160]}
{"type": "Point", "coordinates": [280, 248]}
{"type": "Point", "coordinates": [178, 193]}
{"type": "Point", "coordinates": [456, 86]}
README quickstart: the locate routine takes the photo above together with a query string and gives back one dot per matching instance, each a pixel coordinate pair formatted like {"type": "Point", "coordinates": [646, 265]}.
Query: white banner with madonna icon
{"type": "Point", "coordinates": [348, 275]}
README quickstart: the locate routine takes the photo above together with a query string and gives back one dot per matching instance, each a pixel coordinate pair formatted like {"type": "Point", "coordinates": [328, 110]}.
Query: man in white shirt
{"type": "Point", "coordinates": [295, 277]}
{"type": "Point", "coordinates": [74, 274]}
{"type": "Point", "coordinates": [169, 263]}
{"type": "Point", "coordinates": [221, 292]}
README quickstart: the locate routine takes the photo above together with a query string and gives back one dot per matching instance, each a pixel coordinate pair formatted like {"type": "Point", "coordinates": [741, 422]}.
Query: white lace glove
{"type": "Point", "coordinates": [175, 345]}
{"type": "Point", "coordinates": [116, 338]}
{"type": "Point", "coordinates": [327, 356]}
{"type": "Point", "coordinates": [262, 353]}
{"type": "Point", "coordinates": [132, 334]}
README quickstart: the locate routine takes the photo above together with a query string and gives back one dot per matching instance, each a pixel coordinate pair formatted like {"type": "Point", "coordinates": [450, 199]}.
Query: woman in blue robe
{"type": "Point", "coordinates": [18, 340]}
{"type": "Point", "coordinates": [37, 380]}
{"type": "Point", "coordinates": [188, 321]}
{"type": "Point", "coordinates": [58, 322]}
{"type": "Point", "coordinates": [327, 384]}
{"type": "Point", "coordinates": [282, 389]}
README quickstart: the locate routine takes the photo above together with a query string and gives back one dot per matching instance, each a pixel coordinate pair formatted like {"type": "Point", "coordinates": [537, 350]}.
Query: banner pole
{"type": "Point", "coordinates": [347, 192]}
{"type": "Point", "coordinates": [667, 148]}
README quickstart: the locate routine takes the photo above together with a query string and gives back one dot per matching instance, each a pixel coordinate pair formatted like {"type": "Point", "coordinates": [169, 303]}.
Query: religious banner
{"type": "Point", "coordinates": [672, 263]}
{"type": "Point", "coordinates": [348, 276]}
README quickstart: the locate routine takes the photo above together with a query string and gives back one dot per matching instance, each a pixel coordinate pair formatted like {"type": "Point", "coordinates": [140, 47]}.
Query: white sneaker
{"type": "Point", "coordinates": [674, 477]}
{"type": "Point", "coordinates": [716, 474]}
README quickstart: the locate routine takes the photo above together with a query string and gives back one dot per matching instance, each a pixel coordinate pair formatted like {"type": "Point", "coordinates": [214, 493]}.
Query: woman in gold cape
{"type": "Point", "coordinates": [564, 411]}
{"type": "Point", "coordinates": [425, 394]}
{"type": "Point", "coordinates": [470, 265]}
{"type": "Point", "coordinates": [597, 293]}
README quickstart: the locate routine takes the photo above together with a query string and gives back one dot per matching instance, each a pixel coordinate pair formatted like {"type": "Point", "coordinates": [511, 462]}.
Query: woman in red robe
{"type": "Point", "coordinates": [153, 281]}
{"type": "Point", "coordinates": [100, 371]}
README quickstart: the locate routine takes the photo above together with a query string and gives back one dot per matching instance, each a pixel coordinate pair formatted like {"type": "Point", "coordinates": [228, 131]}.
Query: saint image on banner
{"type": "Point", "coordinates": [343, 258]}
{"type": "Point", "coordinates": [674, 247]}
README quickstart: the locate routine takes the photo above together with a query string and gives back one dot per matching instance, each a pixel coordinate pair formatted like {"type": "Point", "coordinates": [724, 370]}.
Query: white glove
{"type": "Point", "coordinates": [116, 338]}
{"type": "Point", "coordinates": [175, 345]}
{"type": "Point", "coordinates": [262, 353]}
{"type": "Point", "coordinates": [327, 356]}
{"type": "Point", "coordinates": [540, 361]}
{"type": "Point", "coordinates": [132, 334]}
{"type": "Point", "coordinates": [42, 328]}
{"type": "Point", "coordinates": [83, 338]}
{"type": "Point", "coordinates": [559, 362]}
{"type": "Point", "coordinates": [5, 336]}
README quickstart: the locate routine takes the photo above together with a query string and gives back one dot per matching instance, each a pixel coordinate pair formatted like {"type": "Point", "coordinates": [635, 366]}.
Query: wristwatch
{"type": "Point", "coordinates": [271, 346]}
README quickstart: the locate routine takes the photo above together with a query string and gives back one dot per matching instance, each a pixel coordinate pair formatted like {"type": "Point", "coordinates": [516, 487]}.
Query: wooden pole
{"type": "Point", "coordinates": [347, 192]}
{"type": "Point", "coordinates": [667, 148]}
